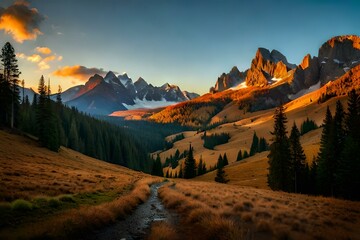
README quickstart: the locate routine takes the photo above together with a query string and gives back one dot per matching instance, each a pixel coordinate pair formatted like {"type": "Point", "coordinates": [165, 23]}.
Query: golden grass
{"type": "Point", "coordinates": [253, 171]}
{"type": "Point", "coordinates": [28, 171]}
{"type": "Point", "coordinates": [219, 211]}
{"type": "Point", "coordinates": [74, 222]}
{"type": "Point", "coordinates": [162, 231]}
{"type": "Point", "coordinates": [97, 192]}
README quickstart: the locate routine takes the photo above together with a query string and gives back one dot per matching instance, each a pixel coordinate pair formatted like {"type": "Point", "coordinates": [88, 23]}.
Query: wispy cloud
{"type": "Point", "coordinates": [43, 50]}
{"type": "Point", "coordinates": [34, 58]}
{"type": "Point", "coordinates": [79, 72]}
{"type": "Point", "coordinates": [20, 21]}
{"type": "Point", "coordinates": [42, 57]}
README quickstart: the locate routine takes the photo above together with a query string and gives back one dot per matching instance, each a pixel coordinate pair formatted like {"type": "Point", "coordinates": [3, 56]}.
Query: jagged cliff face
{"type": "Point", "coordinates": [337, 56]}
{"type": "Point", "coordinates": [228, 80]}
{"type": "Point", "coordinates": [267, 67]}
{"type": "Point", "coordinates": [306, 74]}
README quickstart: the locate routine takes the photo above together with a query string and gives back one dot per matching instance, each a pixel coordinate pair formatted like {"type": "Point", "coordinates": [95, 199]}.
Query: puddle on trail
{"type": "Point", "coordinates": [136, 225]}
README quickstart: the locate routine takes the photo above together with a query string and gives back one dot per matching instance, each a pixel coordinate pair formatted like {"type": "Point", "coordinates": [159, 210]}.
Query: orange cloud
{"type": "Point", "coordinates": [79, 72]}
{"type": "Point", "coordinates": [20, 21]}
{"type": "Point", "coordinates": [43, 50]}
{"type": "Point", "coordinates": [50, 58]}
{"type": "Point", "coordinates": [43, 65]}
{"type": "Point", "coordinates": [34, 58]}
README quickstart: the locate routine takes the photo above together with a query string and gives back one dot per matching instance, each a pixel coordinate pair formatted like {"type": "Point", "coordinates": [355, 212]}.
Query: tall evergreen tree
{"type": "Point", "coordinates": [157, 169]}
{"type": "Point", "coordinates": [190, 165]}
{"type": "Point", "coordinates": [181, 172]}
{"type": "Point", "coordinates": [9, 83]}
{"type": "Point", "coordinates": [347, 174]}
{"type": "Point", "coordinates": [58, 95]}
{"type": "Point", "coordinates": [325, 174]}
{"type": "Point", "coordinates": [225, 160]}
{"type": "Point", "coordinates": [263, 145]}
{"type": "Point", "coordinates": [239, 156]}
{"type": "Point", "coordinates": [220, 173]}
{"type": "Point", "coordinates": [298, 160]}
{"type": "Point", "coordinates": [279, 161]}
{"type": "Point", "coordinates": [41, 116]}
{"type": "Point", "coordinates": [254, 145]}
{"type": "Point", "coordinates": [246, 154]}
{"type": "Point", "coordinates": [201, 167]}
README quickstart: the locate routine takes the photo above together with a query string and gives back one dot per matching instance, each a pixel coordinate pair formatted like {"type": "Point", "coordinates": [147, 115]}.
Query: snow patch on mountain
{"type": "Point", "coordinates": [149, 104]}
{"type": "Point", "coordinates": [239, 86]}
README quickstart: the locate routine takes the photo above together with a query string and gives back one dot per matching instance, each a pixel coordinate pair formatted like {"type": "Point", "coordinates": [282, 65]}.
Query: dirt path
{"type": "Point", "coordinates": [137, 225]}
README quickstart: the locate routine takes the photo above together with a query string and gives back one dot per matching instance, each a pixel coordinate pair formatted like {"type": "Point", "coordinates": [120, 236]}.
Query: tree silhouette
{"type": "Point", "coordinates": [9, 84]}
{"type": "Point", "coordinates": [220, 173]}
{"type": "Point", "coordinates": [298, 159]}
{"type": "Point", "coordinates": [190, 165]}
{"type": "Point", "coordinates": [279, 161]}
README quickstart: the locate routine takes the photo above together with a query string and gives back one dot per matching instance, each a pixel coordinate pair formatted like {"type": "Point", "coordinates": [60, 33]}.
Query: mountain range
{"type": "Point", "coordinates": [102, 96]}
{"type": "Point", "coordinates": [271, 81]}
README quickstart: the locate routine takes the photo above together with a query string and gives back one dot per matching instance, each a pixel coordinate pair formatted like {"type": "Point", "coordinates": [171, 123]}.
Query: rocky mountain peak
{"type": "Point", "coordinates": [123, 76]}
{"type": "Point", "coordinates": [266, 66]}
{"type": "Point", "coordinates": [231, 79]}
{"type": "Point", "coordinates": [340, 39]}
{"type": "Point", "coordinates": [305, 62]}
{"type": "Point", "coordinates": [109, 75]}
{"type": "Point", "coordinates": [140, 84]}
{"type": "Point", "coordinates": [343, 48]}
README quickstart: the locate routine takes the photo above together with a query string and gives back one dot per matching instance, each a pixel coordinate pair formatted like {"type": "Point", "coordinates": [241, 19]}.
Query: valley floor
{"type": "Point", "coordinates": [59, 195]}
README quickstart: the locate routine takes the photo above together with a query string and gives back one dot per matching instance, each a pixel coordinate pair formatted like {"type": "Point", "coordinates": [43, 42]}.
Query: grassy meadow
{"type": "Point", "coordinates": [220, 211]}
{"type": "Point", "coordinates": [47, 194]}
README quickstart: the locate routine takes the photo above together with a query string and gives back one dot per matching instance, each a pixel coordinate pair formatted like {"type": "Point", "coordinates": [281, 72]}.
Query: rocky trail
{"type": "Point", "coordinates": [137, 225]}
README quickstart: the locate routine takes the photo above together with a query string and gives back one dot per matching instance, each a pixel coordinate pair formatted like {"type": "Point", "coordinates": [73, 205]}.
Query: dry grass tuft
{"type": "Point", "coordinates": [162, 231]}
{"type": "Point", "coordinates": [258, 213]}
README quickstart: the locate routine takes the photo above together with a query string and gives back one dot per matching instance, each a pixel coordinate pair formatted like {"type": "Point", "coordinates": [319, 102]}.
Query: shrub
{"type": "Point", "coordinates": [54, 202]}
{"type": "Point", "coordinates": [66, 198]}
{"type": "Point", "coordinates": [21, 205]}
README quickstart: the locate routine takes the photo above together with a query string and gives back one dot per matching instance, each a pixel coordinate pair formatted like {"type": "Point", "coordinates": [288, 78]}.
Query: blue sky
{"type": "Point", "coordinates": [187, 43]}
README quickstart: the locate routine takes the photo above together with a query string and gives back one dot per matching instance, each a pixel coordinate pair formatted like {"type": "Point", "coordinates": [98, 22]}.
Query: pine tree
{"type": "Point", "coordinates": [245, 155]}
{"type": "Point", "coordinates": [9, 83]}
{"type": "Point", "coordinates": [73, 142]}
{"type": "Point", "coordinates": [181, 172]}
{"type": "Point", "coordinates": [298, 160]}
{"type": "Point", "coordinates": [200, 167]}
{"type": "Point", "coordinates": [225, 160]}
{"type": "Point", "coordinates": [325, 170]}
{"type": "Point", "coordinates": [190, 165]}
{"type": "Point", "coordinates": [279, 161]}
{"type": "Point", "coordinates": [347, 174]}
{"type": "Point", "coordinates": [254, 145]}
{"type": "Point", "coordinates": [239, 156]}
{"type": "Point", "coordinates": [220, 173]}
{"type": "Point", "coordinates": [263, 145]}
{"type": "Point", "coordinates": [58, 96]}
{"type": "Point", "coordinates": [220, 160]}
{"type": "Point", "coordinates": [41, 116]}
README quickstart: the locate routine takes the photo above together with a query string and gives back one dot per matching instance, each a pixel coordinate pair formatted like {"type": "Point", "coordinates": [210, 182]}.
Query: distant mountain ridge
{"type": "Point", "coordinates": [271, 81]}
{"type": "Point", "coordinates": [105, 95]}
{"type": "Point", "coordinates": [335, 57]}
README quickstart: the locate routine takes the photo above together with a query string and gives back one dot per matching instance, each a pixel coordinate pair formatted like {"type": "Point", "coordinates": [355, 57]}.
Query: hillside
{"type": "Point", "coordinates": [42, 190]}
{"type": "Point", "coordinates": [253, 171]}
{"type": "Point", "coordinates": [270, 82]}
